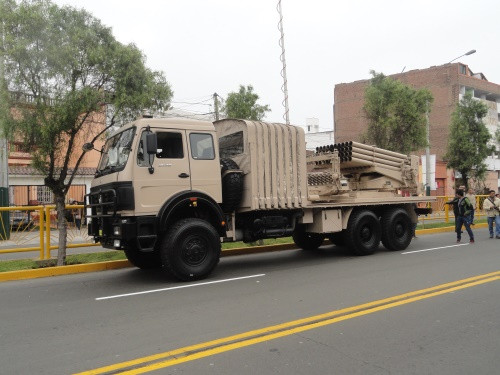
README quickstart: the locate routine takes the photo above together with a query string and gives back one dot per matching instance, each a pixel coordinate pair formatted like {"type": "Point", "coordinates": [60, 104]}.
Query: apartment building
{"type": "Point", "coordinates": [448, 83]}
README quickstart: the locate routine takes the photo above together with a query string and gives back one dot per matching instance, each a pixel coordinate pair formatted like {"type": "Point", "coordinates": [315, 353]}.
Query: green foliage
{"type": "Point", "coordinates": [468, 140]}
{"type": "Point", "coordinates": [66, 70]}
{"type": "Point", "coordinates": [243, 105]}
{"type": "Point", "coordinates": [396, 114]}
{"type": "Point", "coordinates": [69, 67]}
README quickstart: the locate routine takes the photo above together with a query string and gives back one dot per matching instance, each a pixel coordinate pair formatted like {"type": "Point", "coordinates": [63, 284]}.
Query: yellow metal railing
{"type": "Point", "coordinates": [29, 222]}
{"type": "Point", "coordinates": [43, 219]}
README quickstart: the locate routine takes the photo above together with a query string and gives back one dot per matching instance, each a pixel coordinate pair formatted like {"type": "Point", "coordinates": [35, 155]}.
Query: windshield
{"type": "Point", "coordinates": [115, 152]}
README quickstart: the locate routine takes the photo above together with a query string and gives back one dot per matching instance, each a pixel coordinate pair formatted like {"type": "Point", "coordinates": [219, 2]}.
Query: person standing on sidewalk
{"type": "Point", "coordinates": [492, 207]}
{"type": "Point", "coordinates": [472, 199]}
{"type": "Point", "coordinates": [464, 216]}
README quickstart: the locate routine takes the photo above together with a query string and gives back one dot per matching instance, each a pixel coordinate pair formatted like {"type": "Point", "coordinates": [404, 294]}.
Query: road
{"type": "Point", "coordinates": [76, 323]}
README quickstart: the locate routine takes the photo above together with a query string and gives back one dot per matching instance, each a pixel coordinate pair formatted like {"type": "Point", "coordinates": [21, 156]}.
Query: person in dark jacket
{"type": "Point", "coordinates": [454, 203]}
{"type": "Point", "coordinates": [465, 209]}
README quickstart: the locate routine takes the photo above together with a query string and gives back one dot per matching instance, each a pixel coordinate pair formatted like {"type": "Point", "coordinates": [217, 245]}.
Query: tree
{"type": "Point", "coordinates": [468, 140]}
{"type": "Point", "coordinates": [243, 105]}
{"type": "Point", "coordinates": [396, 114]}
{"type": "Point", "coordinates": [72, 68]}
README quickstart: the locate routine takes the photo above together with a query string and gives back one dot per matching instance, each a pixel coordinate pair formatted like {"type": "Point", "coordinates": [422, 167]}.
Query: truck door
{"type": "Point", "coordinates": [171, 171]}
{"type": "Point", "coordinates": [204, 163]}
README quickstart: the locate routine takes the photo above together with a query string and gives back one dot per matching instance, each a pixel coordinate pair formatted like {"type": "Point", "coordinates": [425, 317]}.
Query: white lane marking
{"type": "Point", "coordinates": [434, 248]}
{"type": "Point", "coordinates": [178, 287]}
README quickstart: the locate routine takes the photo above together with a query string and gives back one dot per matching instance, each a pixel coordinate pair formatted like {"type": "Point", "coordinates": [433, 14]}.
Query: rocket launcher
{"type": "Point", "coordinates": [348, 167]}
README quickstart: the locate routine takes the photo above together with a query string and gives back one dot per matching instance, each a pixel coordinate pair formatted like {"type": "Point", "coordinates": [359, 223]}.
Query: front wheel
{"type": "Point", "coordinates": [190, 249]}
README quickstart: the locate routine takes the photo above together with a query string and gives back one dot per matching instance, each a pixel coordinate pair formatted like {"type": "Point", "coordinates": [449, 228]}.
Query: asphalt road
{"type": "Point", "coordinates": [76, 323]}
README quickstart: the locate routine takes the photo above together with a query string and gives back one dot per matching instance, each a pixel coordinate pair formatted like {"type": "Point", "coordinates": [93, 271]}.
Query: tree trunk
{"type": "Point", "coordinates": [62, 227]}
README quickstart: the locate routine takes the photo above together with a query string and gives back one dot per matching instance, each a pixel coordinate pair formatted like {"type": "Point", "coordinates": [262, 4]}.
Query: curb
{"type": "Point", "coordinates": [63, 270]}
{"type": "Point", "coordinates": [117, 264]}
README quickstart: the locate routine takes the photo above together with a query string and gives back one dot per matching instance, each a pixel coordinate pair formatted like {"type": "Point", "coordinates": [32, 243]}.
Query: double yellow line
{"type": "Point", "coordinates": [193, 352]}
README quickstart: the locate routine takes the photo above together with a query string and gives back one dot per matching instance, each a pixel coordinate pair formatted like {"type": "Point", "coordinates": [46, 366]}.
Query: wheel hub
{"type": "Point", "coordinates": [365, 234]}
{"type": "Point", "coordinates": [194, 252]}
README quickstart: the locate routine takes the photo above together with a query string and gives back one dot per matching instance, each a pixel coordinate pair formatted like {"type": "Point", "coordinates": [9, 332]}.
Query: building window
{"type": "Point", "coordinates": [44, 195]}
{"type": "Point", "coordinates": [463, 69]}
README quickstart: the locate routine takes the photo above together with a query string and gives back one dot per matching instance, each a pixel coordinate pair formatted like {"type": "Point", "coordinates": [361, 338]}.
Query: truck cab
{"type": "Point", "coordinates": [133, 185]}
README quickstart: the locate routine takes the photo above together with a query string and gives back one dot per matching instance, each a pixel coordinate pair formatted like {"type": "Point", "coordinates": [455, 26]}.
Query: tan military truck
{"type": "Point", "coordinates": [169, 191]}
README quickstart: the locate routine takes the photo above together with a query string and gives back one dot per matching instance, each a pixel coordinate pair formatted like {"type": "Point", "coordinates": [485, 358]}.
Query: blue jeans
{"type": "Point", "coordinates": [495, 219]}
{"type": "Point", "coordinates": [461, 221]}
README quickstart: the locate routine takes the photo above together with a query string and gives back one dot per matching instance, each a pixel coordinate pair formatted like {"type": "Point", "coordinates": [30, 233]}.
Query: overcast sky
{"type": "Point", "coordinates": [212, 46]}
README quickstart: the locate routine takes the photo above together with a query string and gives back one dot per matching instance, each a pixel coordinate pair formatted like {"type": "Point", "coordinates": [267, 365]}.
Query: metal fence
{"type": "Point", "coordinates": [34, 228]}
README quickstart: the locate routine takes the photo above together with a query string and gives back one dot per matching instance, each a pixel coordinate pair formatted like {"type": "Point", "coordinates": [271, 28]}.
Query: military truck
{"type": "Point", "coordinates": [168, 191]}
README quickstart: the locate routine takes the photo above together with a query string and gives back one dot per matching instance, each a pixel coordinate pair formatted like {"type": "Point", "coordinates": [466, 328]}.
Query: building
{"type": "Point", "coordinates": [26, 184]}
{"type": "Point", "coordinates": [447, 83]}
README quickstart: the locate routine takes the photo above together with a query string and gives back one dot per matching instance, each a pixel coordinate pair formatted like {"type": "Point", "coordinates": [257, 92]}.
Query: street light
{"type": "Point", "coordinates": [465, 54]}
{"type": "Point", "coordinates": [427, 149]}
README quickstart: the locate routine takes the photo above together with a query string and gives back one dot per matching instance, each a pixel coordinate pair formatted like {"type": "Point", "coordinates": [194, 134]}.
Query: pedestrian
{"type": "Point", "coordinates": [77, 215]}
{"type": "Point", "coordinates": [492, 207]}
{"type": "Point", "coordinates": [472, 199]}
{"type": "Point", "coordinates": [464, 216]}
{"type": "Point", "coordinates": [454, 203]}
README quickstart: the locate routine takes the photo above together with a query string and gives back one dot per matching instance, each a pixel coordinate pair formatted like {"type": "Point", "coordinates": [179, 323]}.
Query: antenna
{"type": "Point", "coordinates": [284, 87]}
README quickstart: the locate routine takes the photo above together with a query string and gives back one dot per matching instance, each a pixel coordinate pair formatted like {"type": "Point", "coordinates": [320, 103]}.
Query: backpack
{"type": "Point", "coordinates": [464, 207]}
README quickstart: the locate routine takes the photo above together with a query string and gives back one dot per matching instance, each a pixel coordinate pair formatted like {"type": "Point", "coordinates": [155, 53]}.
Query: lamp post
{"type": "Point", "coordinates": [465, 54]}
{"type": "Point", "coordinates": [427, 153]}
{"type": "Point", "coordinates": [427, 149]}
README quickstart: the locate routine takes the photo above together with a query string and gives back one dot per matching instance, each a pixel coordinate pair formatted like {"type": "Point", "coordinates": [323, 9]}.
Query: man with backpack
{"type": "Point", "coordinates": [454, 203]}
{"type": "Point", "coordinates": [464, 216]}
{"type": "Point", "coordinates": [492, 207]}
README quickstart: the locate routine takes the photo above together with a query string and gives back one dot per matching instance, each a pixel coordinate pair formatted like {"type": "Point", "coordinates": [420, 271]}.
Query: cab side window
{"type": "Point", "coordinates": [169, 145]}
{"type": "Point", "coordinates": [202, 146]}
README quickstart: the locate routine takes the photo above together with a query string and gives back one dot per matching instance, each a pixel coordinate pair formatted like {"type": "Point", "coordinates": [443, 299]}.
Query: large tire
{"type": "Point", "coordinates": [143, 260]}
{"type": "Point", "coordinates": [363, 232]}
{"type": "Point", "coordinates": [232, 186]}
{"type": "Point", "coordinates": [306, 240]}
{"type": "Point", "coordinates": [190, 249]}
{"type": "Point", "coordinates": [397, 229]}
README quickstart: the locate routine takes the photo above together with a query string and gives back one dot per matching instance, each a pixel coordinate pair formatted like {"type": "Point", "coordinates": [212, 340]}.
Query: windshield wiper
{"type": "Point", "coordinates": [108, 169]}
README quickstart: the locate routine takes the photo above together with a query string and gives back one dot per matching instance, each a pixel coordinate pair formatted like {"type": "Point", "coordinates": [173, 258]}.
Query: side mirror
{"type": "Point", "coordinates": [151, 144]}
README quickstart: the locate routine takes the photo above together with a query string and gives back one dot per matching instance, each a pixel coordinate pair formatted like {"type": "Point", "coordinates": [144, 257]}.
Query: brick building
{"type": "Point", "coordinates": [26, 184]}
{"type": "Point", "coordinates": [447, 83]}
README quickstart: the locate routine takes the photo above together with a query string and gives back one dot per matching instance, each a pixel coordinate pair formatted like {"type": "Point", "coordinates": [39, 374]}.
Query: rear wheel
{"type": "Point", "coordinates": [190, 249]}
{"type": "Point", "coordinates": [397, 229]}
{"type": "Point", "coordinates": [363, 232]}
{"type": "Point", "coordinates": [143, 260]}
{"type": "Point", "coordinates": [306, 240]}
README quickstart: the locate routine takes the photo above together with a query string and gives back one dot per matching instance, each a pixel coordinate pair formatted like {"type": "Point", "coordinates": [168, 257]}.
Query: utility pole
{"type": "Point", "coordinates": [284, 88]}
{"type": "Point", "coordinates": [427, 154]}
{"type": "Point", "coordinates": [4, 163]}
{"type": "Point", "coordinates": [216, 106]}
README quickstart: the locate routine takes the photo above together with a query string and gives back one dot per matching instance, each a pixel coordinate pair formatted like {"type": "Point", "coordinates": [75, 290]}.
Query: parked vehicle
{"type": "Point", "coordinates": [169, 191]}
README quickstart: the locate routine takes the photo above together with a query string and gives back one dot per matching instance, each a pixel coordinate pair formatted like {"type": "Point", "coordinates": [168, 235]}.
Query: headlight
{"type": "Point", "coordinates": [117, 231]}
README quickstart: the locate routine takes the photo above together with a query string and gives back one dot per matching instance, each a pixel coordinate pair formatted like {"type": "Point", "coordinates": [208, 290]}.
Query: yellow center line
{"type": "Point", "coordinates": [218, 346]}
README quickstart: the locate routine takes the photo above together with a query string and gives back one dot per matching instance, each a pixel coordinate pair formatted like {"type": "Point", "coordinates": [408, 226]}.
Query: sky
{"type": "Point", "coordinates": [206, 47]}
